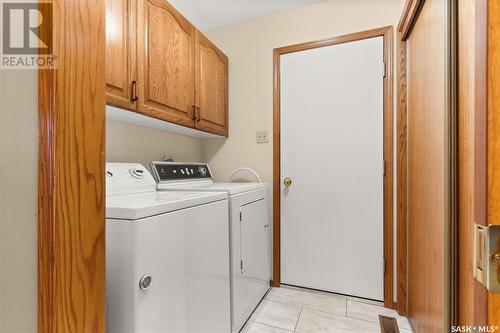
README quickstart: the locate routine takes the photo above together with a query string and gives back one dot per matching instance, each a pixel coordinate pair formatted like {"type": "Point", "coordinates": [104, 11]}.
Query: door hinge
{"type": "Point", "coordinates": [385, 168]}
{"type": "Point", "coordinates": [385, 266]}
{"type": "Point", "coordinates": [384, 69]}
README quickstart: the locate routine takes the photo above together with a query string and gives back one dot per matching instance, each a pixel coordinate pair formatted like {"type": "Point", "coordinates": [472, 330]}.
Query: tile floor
{"type": "Point", "coordinates": [289, 309]}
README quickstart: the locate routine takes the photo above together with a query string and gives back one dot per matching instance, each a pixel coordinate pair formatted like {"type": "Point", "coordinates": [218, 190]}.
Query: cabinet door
{"type": "Point", "coordinates": [120, 52]}
{"type": "Point", "coordinates": [166, 63]}
{"type": "Point", "coordinates": [211, 87]}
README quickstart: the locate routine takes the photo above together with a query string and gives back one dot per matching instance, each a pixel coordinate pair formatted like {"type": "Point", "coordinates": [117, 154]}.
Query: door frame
{"type": "Point", "coordinates": [387, 34]}
{"type": "Point", "coordinates": [71, 184]}
{"type": "Point", "coordinates": [408, 18]}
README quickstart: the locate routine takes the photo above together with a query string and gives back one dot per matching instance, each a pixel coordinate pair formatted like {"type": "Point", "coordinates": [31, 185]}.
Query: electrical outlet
{"type": "Point", "coordinates": [262, 137]}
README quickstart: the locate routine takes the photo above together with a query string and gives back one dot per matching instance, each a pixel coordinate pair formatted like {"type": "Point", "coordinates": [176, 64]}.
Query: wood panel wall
{"type": "Point", "coordinates": [71, 253]}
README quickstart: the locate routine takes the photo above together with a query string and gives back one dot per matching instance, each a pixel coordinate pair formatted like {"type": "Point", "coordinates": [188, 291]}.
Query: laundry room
{"type": "Point", "coordinates": [249, 166]}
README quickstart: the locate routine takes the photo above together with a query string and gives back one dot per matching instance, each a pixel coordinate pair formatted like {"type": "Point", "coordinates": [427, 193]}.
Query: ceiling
{"type": "Point", "coordinates": [211, 14]}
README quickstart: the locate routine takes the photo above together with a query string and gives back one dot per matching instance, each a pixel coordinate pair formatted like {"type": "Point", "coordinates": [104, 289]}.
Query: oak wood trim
{"type": "Point", "coordinates": [389, 162]}
{"type": "Point", "coordinates": [480, 114]}
{"type": "Point", "coordinates": [472, 295]}
{"type": "Point", "coordinates": [71, 226]}
{"type": "Point", "coordinates": [493, 139]}
{"type": "Point", "coordinates": [386, 33]}
{"type": "Point", "coordinates": [334, 40]}
{"type": "Point", "coordinates": [276, 171]}
{"type": "Point", "coordinates": [402, 181]}
{"type": "Point", "coordinates": [408, 17]}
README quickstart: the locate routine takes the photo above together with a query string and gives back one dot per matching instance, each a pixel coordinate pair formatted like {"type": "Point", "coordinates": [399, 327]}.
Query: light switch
{"type": "Point", "coordinates": [262, 137]}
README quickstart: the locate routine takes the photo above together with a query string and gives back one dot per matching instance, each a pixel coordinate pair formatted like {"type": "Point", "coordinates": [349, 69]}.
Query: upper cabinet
{"type": "Point", "coordinates": [166, 54]}
{"type": "Point", "coordinates": [211, 87]}
{"type": "Point", "coordinates": [159, 65]}
{"type": "Point", "coordinates": [120, 53]}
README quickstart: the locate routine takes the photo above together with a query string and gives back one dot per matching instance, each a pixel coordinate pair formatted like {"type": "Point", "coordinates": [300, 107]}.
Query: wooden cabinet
{"type": "Point", "coordinates": [120, 53]}
{"type": "Point", "coordinates": [166, 55]}
{"type": "Point", "coordinates": [211, 87]}
{"type": "Point", "coordinates": [159, 65]}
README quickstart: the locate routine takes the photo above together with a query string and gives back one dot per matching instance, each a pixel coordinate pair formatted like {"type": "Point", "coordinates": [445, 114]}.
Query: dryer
{"type": "Point", "coordinates": [167, 258]}
{"type": "Point", "coordinates": [249, 221]}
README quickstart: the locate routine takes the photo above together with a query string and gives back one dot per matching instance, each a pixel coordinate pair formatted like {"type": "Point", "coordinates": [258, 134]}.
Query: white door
{"type": "Point", "coordinates": [332, 149]}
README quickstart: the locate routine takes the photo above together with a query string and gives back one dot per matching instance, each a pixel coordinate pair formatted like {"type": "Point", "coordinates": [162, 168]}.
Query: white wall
{"type": "Point", "coordinates": [131, 143]}
{"type": "Point", "coordinates": [249, 46]}
{"type": "Point", "coordinates": [18, 200]}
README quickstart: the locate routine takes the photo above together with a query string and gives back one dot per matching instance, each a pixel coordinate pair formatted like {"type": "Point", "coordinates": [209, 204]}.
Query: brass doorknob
{"type": "Point", "coordinates": [287, 181]}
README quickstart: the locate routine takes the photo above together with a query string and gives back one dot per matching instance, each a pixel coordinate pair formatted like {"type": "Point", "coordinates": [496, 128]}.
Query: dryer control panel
{"type": "Point", "coordinates": [174, 171]}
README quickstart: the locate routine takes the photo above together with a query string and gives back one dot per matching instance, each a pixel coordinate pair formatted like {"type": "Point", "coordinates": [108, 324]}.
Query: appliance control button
{"type": "Point", "coordinates": [182, 171]}
{"type": "Point", "coordinates": [137, 173]}
{"type": "Point", "coordinates": [202, 170]}
{"type": "Point", "coordinates": [109, 173]}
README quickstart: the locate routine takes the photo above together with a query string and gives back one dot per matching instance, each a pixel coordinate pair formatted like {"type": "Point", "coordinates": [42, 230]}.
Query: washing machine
{"type": "Point", "coordinates": [249, 221]}
{"type": "Point", "coordinates": [167, 256]}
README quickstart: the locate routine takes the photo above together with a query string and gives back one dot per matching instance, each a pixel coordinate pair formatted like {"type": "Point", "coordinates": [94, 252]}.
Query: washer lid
{"type": "Point", "coordinates": [141, 205]}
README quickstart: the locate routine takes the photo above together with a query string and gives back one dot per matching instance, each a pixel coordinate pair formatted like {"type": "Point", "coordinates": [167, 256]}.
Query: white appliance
{"type": "Point", "coordinates": [249, 229]}
{"type": "Point", "coordinates": [167, 258]}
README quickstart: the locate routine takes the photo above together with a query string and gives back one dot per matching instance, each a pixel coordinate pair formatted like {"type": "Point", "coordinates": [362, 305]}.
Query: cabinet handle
{"type": "Point", "coordinates": [134, 91]}
{"type": "Point", "coordinates": [198, 117]}
{"type": "Point", "coordinates": [193, 109]}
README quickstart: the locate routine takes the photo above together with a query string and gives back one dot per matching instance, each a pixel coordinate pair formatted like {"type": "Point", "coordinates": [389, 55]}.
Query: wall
{"type": "Point", "coordinates": [249, 46]}
{"type": "Point", "coordinates": [18, 200]}
{"type": "Point", "coordinates": [131, 143]}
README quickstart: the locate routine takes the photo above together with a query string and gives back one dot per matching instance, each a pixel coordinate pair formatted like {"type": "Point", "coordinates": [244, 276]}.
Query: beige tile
{"type": "Point", "coordinates": [254, 327]}
{"type": "Point", "coordinates": [370, 312]}
{"type": "Point", "coordinates": [277, 315]}
{"type": "Point", "coordinates": [312, 321]}
{"type": "Point", "coordinates": [313, 300]}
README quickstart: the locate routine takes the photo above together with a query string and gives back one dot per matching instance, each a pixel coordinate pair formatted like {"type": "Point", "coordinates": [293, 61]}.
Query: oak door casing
{"type": "Point", "coordinates": [166, 44]}
{"type": "Point", "coordinates": [71, 184]}
{"type": "Point", "coordinates": [121, 65]}
{"type": "Point", "coordinates": [427, 165]}
{"type": "Point", "coordinates": [211, 87]}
